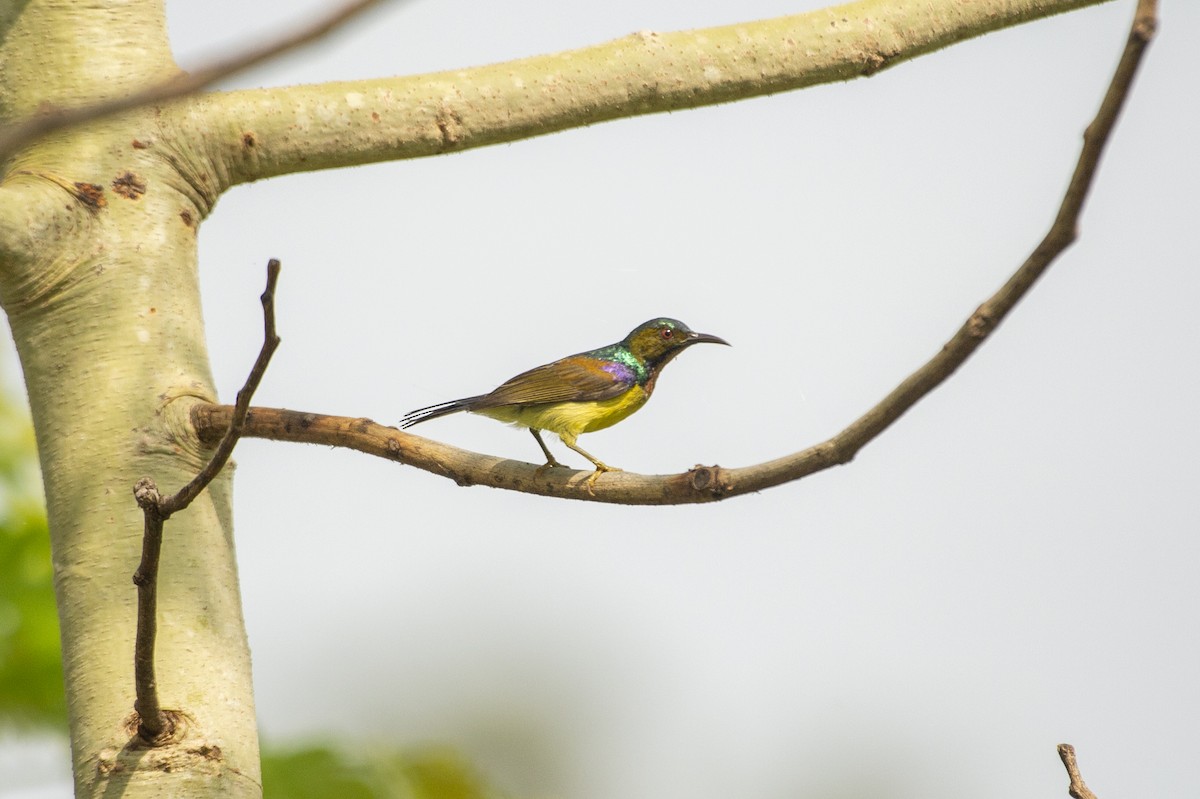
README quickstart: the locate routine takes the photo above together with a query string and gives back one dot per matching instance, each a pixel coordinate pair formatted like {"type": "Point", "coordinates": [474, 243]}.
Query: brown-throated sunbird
{"type": "Point", "coordinates": [580, 393]}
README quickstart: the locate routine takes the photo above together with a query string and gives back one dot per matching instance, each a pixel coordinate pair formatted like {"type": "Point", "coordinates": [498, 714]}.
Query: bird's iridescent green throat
{"type": "Point", "coordinates": [580, 393]}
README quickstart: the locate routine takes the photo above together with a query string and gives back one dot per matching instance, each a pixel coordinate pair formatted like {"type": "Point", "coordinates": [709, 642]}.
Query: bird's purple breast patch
{"type": "Point", "coordinates": [620, 372]}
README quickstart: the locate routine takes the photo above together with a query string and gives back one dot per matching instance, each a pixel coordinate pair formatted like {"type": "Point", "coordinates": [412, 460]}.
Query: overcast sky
{"type": "Point", "coordinates": [1013, 565]}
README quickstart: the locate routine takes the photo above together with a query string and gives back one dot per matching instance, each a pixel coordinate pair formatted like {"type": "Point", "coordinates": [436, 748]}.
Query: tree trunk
{"type": "Point", "coordinates": [99, 280]}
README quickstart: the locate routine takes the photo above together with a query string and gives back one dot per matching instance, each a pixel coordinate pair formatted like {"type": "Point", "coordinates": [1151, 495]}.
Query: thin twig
{"type": "Point", "coordinates": [155, 726]}
{"type": "Point", "coordinates": [709, 483]}
{"type": "Point", "coordinates": [182, 498]}
{"type": "Point", "coordinates": [1077, 789]}
{"type": "Point", "coordinates": [18, 134]}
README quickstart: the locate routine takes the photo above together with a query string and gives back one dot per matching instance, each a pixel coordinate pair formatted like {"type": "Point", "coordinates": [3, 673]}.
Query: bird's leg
{"type": "Point", "coordinates": [600, 465]}
{"type": "Point", "coordinates": [550, 460]}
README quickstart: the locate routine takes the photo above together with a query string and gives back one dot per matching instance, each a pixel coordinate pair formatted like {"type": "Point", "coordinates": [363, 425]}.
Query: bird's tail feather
{"type": "Point", "coordinates": [434, 411]}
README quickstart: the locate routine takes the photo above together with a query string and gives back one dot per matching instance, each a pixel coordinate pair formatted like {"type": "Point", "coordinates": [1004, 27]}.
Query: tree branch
{"type": "Point", "coordinates": [156, 726]}
{"type": "Point", "coordinates": [1077, 789]}
{"type": "Point", "coordinates": [18, 134]}
{"type": "Point", "coordinates": [709, 483]}
{"type": "Point", "coordinates": [302, 128]}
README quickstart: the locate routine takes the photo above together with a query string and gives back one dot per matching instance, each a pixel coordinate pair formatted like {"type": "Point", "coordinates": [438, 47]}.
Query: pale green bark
{"type": "Point", "coordinates": [303, 128]}
{"type": "Point", "coordinates": [104, 304]}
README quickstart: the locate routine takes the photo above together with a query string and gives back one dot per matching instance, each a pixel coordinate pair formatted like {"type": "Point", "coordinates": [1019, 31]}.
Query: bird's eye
{"type": "Point", "coordinates": [666, 332]}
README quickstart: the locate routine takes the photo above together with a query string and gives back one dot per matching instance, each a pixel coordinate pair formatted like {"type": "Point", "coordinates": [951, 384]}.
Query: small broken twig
{"type": "Point", "coordinates": [1077, 789]}
{"type": "Point", "coordinates": [154, 725]}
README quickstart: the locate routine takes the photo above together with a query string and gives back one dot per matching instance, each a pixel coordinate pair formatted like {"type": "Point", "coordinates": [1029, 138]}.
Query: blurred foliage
{"type": "Point", "coordinates": [31, 681]}
{"type": "Point", "coordinates": [318, 772]}
{"type": "Point", "coordinates": [313, 772]}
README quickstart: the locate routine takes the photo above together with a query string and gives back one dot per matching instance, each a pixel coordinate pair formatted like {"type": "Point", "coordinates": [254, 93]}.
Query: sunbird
{"type": "Point", "coordinates": [580, 393]}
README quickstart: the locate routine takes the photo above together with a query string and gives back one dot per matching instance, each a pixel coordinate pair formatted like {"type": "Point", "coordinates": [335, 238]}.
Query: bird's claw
{"type": "Point", "coordinates": [550, 464]}
{"type": "Point", "coordinates": [601, 468]}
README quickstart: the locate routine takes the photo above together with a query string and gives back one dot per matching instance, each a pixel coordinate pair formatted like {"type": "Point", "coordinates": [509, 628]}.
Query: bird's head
{"type": "Point", "coordinates": [656, 342]}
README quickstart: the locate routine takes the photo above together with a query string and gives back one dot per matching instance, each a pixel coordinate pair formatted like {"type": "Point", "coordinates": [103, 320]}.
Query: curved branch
{"type": "Point", "coordinates": [270, 132]}
{"type": "Point", "coordinates": [708, 483]}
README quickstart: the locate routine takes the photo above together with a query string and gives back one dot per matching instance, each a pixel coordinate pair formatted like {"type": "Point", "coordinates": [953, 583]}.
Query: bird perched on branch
{"type": "Point", "coordinates": [580, 393]}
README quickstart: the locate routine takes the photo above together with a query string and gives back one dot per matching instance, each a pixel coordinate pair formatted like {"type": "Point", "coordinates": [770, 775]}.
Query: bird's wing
{"type": "Point", "coordinates": [573, 379]}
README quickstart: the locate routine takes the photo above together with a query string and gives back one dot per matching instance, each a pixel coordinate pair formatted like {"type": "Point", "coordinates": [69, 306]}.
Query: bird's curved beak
{"type": "Point", "coordinates": [705, 338]}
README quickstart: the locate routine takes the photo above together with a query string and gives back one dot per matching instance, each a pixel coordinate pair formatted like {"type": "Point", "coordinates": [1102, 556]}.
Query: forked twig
{"type": "Point", "coordinates": [154, 725]}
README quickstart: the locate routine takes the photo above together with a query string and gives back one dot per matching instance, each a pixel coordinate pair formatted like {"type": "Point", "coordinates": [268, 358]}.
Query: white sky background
{"type": "Point", "coordinates": [1012, 565]}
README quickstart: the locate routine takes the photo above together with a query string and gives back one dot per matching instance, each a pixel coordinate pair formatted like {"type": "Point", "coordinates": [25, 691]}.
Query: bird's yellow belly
{"type": "Point", "coordinates": [572, 418]}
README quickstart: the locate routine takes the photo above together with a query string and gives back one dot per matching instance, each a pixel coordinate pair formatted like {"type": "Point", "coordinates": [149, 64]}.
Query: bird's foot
{"type": "Point", "coordinates": [550, 464]}
{"type": "Point", "coordinates": [601, 468]}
